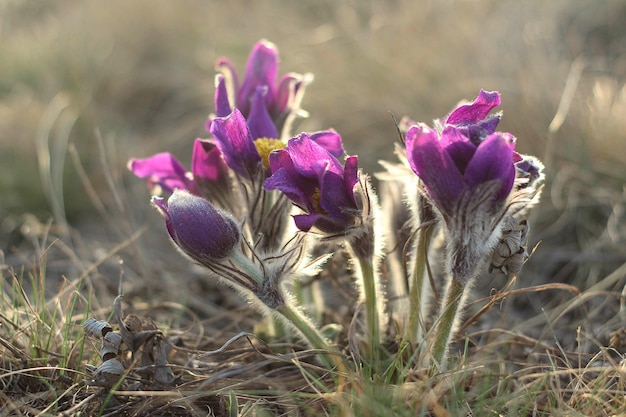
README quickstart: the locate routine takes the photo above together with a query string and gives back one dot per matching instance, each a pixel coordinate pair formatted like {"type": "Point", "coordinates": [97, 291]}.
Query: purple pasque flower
{"type": "Point", "coordinates": [451, 165]}
{"type": "Point", "coordinates": [247, 144]}
{"type": "Point", "coordinates": [281, 100]}
{"type": "Point", "coordinates": [214, 239]}
{"type": "Point", "coordinates": [314, 180]}
{"type": "Point", "coordinates": [469, 186]}
{"type": "Point", "coordinates": [164, 173]}
{"type": "Point", "coordinates": [261, 70]}
{"type": "Point", "coordinates": [200, 230]}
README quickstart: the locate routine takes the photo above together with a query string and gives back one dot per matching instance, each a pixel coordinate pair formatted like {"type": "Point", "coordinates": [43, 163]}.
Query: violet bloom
{"type": "Point", "coordinates": [200, 230]}
{"type": "Point", "coordinates": [314, 180]}
{"type": "Point", "coordinates": [475, 122]}
{"type": "Point", "coordinates": [281, 100]}
{"type": "Point", "coordinates": [468, 184]}
{"type": "Point", "coordinates": [247, 144]}
{"type": "Point", "coordinates": [164, 173]}
{"type": "Point", "coordinates": [452, 166]}
{"type": "Point", "coordinates": [214, 239]}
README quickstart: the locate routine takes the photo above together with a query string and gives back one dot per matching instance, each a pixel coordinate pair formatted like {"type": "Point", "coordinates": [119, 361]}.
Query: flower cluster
{"type": "Point", "coordinates": [479, 188]}
{"type": "Point", "coordinates": [259, 199]}
{"type": "Point", "coordinates": [314, 180]}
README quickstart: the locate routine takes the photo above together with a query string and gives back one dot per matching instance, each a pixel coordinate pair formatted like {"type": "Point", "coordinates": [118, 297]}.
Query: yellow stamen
{"type": "Point", "coordinates": [315, 200]}
{"type": "Point", "coordinates": [266, 145]}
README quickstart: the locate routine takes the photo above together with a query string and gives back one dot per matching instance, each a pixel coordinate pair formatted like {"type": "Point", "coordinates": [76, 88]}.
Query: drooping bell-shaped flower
{"type": "Point", "coordinates": [314, 180]}
{"type": "Point", "coordinates": [479, 188]}
{"type": "Point", "coordinates": [214, 239]}
{"type": "Point", "coordinates": [338, 204]}
{"type": "Point", "coordinates": [200, 230]}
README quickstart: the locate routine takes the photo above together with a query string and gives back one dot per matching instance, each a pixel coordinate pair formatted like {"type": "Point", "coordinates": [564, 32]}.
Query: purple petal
{"type": "Point", "coordinates": [286, 92]}
{"type": "Point", "coordinates": [310, 159]}
{"type": "Point", "coordinates": [333, 196]}
{"type": "Point", "coordinates": [236, 144]}
{"type": "Point", "coordinates": [434, 166]}
{"type": "Point", "coordinates": [458, 146]}
{"type": "Point", "coordinates": [351, 174]}
{"type": "Point", "coordinates": [259, 120]}
{"type": "Point", "coordinates": [527, 166]}
{"type": "Point", "coordinates": [337, 191]}
{"type": "Point", "coordinates": [280, 159]}
{"type": "Point", "coordinates": [297, 188]}
{"type": "Point", "coordinates": [305, 222]}
{"type": "Point", "coordinates": [493, 160]}
{"type": "Point", "coordinates": [161, 204]}
{"type": "Point", "coordinates": [329, 140]}
{"type": "Point", "coordinates": [475, 111]}
{"type": "Point", "coordinates": [207, 162]}
{"type": "Point", "coordinates": [478, 131]}
{"type": "Point", "coordinates": [161, 169]}
{"type": "Point", "coordinates": [336, 201]}
{"type": "Point", "coordinates": [451, 136]}
{"type": "Point", "coordinates": [226, 67]}
{"type": "Point", "coordinates": [261, 69]}
{"type": "Point", "coordinates": [222, 104]}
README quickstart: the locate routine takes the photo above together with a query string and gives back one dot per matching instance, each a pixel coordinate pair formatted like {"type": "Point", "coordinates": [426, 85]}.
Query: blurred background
{"type": "Point", "coordinates": [84, 86]}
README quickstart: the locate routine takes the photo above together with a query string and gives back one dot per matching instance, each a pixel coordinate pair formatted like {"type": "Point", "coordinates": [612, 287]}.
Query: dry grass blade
{"type": "Point", "coordinates": [501, 295]}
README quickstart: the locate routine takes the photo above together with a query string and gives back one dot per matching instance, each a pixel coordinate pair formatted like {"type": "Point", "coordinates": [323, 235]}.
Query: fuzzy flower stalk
{"type": "Point", "coordinates": [476, 183]}
{"type": "Point", "coordinates": [338, 204]}
{"type": "Point", "coordinates": [212, 238]}
{"type": "Point", "coordinates": [256, 253]}
{"type": "Point", "coordinates": [411, 215]}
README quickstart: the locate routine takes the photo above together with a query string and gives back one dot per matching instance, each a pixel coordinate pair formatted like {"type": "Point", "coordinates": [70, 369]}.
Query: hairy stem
{"type": "Point", "coordinates": [449, 316]}
{"type": "Point", "coordinates": [333, 358]}
{"type": "Point", "coordinates": [371, 303]}
{"type": "Point", "coordinates": [416, 294]}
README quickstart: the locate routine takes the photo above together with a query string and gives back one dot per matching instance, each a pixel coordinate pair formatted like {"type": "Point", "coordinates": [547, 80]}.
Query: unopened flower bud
{"type": "Point", "coordinates": [203, 232]}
